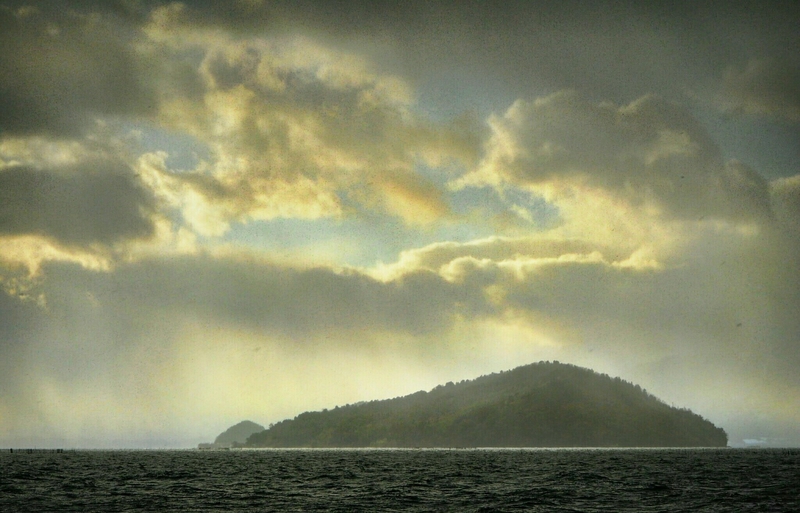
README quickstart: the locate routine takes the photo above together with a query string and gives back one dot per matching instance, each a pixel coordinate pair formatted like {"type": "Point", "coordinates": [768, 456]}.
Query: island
{"type": "Point", "coordinates": [538, 405]}
{"type": "Point", "coordinates": [234, 436]}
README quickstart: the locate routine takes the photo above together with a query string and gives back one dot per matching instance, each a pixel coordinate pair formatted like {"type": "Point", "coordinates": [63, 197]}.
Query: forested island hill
{"type": "Point", "coordinates": [538, 405]}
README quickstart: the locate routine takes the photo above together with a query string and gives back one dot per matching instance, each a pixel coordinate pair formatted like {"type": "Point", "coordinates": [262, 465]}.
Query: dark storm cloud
{"type": "Point", "coordinates": [613, 50]}
{"type": "Point", "coordinates": [60, 68]}
{"type": "Point", "coordinates": [97, 202]}
{"type": "Point", "coordinates": [765, 87]}
{"type": "Point", "coordinates": [58, 71]}
{"type": "Point", "coordinates": [267, 297]}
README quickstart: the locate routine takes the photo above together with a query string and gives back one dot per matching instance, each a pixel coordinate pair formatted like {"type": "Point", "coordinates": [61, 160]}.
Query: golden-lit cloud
{"type": "Point", "coordinates": [298, 130]}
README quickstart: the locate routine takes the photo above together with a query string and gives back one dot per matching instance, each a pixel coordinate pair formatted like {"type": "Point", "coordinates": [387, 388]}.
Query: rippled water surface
{"type": "Point", "coordinates": [402, 480]}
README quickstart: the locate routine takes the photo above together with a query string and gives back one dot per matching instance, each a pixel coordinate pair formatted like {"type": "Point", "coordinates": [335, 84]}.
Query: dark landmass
{"type": "Point", "coordinates": [238, 434]}
{"type": "Point", "coordinates": [234, 436]}
{"type": "Point", "coordinates": [539, 405]}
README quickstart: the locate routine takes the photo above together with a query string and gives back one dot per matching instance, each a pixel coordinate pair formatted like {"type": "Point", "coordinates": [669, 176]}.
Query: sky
{"type": "Point", "coordinates": [218, 211]}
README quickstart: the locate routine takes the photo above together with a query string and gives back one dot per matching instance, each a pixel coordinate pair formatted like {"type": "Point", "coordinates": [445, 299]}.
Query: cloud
{"type": "Point", "coordinates": [88, 202]}
{"type": "Point", "coordinates": [292, 129]}
{"type": "Point", "coordinates": [97, 203]}
{"type": "Point", "coordinates": [248, 292]}
{"type": "Point", "coordinates": [651, 154]}
{"type": "Point", "coordinates": [616, 52]}
{"type": "Point", "coordinates": [436, 257]}
{"type": "Point", "coordinates": [764, 87]}
{"type": "Point", "coordinates": [137, 336]}
{"type": "Point", "coordinates": [785, 195]}
{"type": "Point", "coordinates": [69, 200]}
{"type": "Point", "coordinates": [60, 72]}
{"type": "Point", "coordinates": [296, 129]}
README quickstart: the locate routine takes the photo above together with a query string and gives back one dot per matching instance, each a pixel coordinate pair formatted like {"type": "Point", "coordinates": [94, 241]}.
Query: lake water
{"type": "Point", "coordinates": [641, 480]}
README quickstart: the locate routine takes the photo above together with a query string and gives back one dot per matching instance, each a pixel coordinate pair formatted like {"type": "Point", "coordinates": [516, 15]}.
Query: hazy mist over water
{"type": "Point", "coordinates": [622, 480]}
